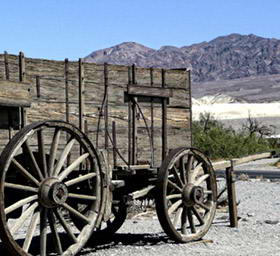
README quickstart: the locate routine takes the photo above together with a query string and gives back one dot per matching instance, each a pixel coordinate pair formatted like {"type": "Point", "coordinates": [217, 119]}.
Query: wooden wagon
{"type": "Point", "coordinates": [61, 185]}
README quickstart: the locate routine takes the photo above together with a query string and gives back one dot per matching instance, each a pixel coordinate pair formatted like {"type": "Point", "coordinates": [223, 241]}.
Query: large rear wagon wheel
{"type": "Point", "coordinates": [186, 195]}
{"type": "Point", "coordinates": [57, 165]}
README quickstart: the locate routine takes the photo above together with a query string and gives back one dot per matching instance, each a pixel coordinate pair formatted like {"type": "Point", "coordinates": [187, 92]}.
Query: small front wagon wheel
{"type": "Point", "coordinates": [44, 169]}
{"type": "Point", "coordinates": [186, 195]}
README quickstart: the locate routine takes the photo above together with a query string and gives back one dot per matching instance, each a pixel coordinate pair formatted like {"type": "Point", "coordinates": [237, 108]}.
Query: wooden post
{"type": "Point", "coordinates": [114, 135]}
{"type": "Point", "coordinates": [106, 106]}
{"type": "Point", "coordinates": [164, 119]}
{"type": "Point", "coordinates": [152, 119]}
{"type": "Point", "coordinates": [190, 101]}
{"type": "Point", "coordinates": [21, 79]}
{"type": "Point", "coordinates": [129, 121]}
{"type": "Point", "coordinates": [6, 60]}
{"type": "Point", "coordinates": [38, 85]}
{"type": "Point", "coordinates": [81, 95]}
{"type": "Point", "coordinates": [231, 196]}
{"type": "Point", "coordinates": [134, 122]}
{"type": "Point", "coordinates": [21, 67]}
{"type": "Point", "coordinates": [66, 74]}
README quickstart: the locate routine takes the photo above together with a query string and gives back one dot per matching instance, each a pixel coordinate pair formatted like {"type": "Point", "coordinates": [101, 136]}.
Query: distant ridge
{"type": "Point", "coordinates": [224, 58]}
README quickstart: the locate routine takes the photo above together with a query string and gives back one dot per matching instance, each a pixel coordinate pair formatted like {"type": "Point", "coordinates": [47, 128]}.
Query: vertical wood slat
{"type": "Point", "coordinates": [134, 122]}
{"type": "Point", "coordinates": [189, 88]}
{"type": "Point", "coordinates": [66, 77]}
{"type": "Point", "coordinates": [21, 67]}
{"type": "Point", "coordinates": [38, 86]}
{"type": "Point", "coordinates": [6, 61]}
{"type": "Point", "coordinates": [152, 120]}
{"type": "Point", "coordinates": [22, 79]}
{"type": "Point", "coordinates": [129, 121]}
{"type": "Point", "coordinates": [106, 106]}
{"type": "Point", "coordinates": [164, 119]}
{"type": "Point", "coordinates": [231, 196]}
{"type": "Point", "coordinates": [114, 135]}
{"type": "Point", "coordinates": [81, 95]}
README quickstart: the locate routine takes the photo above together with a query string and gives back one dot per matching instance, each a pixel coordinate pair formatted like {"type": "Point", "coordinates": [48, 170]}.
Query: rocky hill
{"type": "Point", "coordinates": [224, 58]}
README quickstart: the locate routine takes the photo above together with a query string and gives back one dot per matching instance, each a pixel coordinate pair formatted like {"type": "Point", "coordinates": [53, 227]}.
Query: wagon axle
{"type": "Point", "coordinates": [192, 195]}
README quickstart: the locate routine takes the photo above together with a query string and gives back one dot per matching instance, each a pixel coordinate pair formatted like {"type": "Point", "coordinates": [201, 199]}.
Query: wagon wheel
{"type": "Point", "coordinates": [186, 195]}
{"type": "Point", "coordinates": [59, 166]}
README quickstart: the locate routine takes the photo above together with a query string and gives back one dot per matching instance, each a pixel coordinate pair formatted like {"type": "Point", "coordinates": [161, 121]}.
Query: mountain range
{"type": "Point", "coordinates": [224, 58]}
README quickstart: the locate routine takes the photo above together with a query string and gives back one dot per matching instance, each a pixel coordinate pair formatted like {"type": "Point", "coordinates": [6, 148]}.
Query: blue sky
{"type": "Point", "coordinates": [56, 29]}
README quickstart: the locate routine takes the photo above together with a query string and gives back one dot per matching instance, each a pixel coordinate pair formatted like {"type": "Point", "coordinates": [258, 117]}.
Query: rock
{"type": "Point", "coordinates": [271, 222]}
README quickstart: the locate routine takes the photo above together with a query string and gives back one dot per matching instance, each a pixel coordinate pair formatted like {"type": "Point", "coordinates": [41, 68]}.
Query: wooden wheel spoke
{"type": "Point", "coordinates": [198, 216]}
{"type": "Point", "coordinates": [20, 221]}
{"type": "Point", "coordinates": [177, 216]}
{"type": "Point", "coordinates": [26, 148]}
{"type": "Point", "coordinates": [24, 172]}
{"type": "Point", "coordinates": [31, 231]}
{"type": "Point", "coordinates": [43, 231]}
{"type": "Point", "coordinates": [20, 203]}
{"type": "Point", "coordinates": [80, 179]}
{"type": "Point", "coordinates": [178, 179]}
{"type": "Point", "coordinates": [174, 196]}
{"type": "Point", "coordinates": [72, 167]}
{"type": "Point", "coordinates": [174, 207]}
{"type": "Point", "coordinates": [20, 187]}
{"type": "Point", "coordinates": [54, 231]}
{"type": "Point", "coordinates": [82, 197]}
{"type": "Point", "coordinates": [184, 221]}
{"type": "Point", "coordinates": [83, 218]}
{"type": "Point", "coordinates": [201, 179]}
{"type": "Point", "coordinates": [175, 186]}
{"type": "Point", "coordinates": [182, 168]}
{"type": "Point", "coordinates": [195, 172]}
{"type": "Point", "coordinates": [53, 150]}
{"type": "Point", "coordinates": [65, 225]}
{"type": "Point", "coordinates": [63, 157]}
{"type": "Point", "coordinates": [191, 222]}
{"type": "Point", "coordinates": [204, 206]}
{"type": "Point", "coordinates": [42, 153]}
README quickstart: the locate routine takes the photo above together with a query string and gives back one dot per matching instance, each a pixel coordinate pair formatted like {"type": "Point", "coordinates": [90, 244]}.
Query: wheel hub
{"type": "Point", "coordinates": [52, 193]}
{"type": "Point", "coordinates": [192, 195]}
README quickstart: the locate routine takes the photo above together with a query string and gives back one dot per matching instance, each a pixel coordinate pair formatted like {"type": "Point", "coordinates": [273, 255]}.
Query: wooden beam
{"type": "Point", "coordinates": [106, 109]}
{"type": "Point", "coordinates": [6, 61]}
{"type": "Point", "coordinates": [231, 196]}
{"type": "Point", "coordinates": [152, 120]}
{"type": "Point", "coordinates": [114, 135]}
{"type": "Point", "coordinates": [134, 122]}
{"type": "Point", "coordinates": [129, 121]}
{"type": "Point", "coordinates": [81, 95]}
{"type": "Point", "coordinates": [21, 67]}
{"type": "Point", "coordinates": [164, 119]}
{"type": "Point", "coordinates": [138, 90]}
{"type": "Point", "coordinates": [38, 87]}
{"type": "Point", "coordinates": [66, 78]}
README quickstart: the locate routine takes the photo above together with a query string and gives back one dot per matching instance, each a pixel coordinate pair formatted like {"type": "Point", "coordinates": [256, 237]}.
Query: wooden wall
{"type": "Point", "coordinates": [48, 80]}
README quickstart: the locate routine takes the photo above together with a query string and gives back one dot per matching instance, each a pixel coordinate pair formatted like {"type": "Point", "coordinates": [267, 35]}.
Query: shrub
{"type": "Point", "coordinates": [217, 141]}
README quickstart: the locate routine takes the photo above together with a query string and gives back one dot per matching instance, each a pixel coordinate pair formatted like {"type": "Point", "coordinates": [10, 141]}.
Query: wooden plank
{"type": "Point", "coordinates": [66, 72]}
{"type": "Point", "coordinates": [6, 61]}
{"type": "Point", "coordinates": [81, 95]}
{"type": "Point", "coordinates": [38, 87]}
{"type": "Point", "coordinates": [164, 119]}
{"type": "Point", "coordinates": [14, 94]}
{"type": "Point", "coordinates": [106, 120]}
{"type": "Point", "coordinates": [138, 90]}
{"type": "Point", "coordinates": [152, 120]}
{"type": "Point", "coordinates": [21, 67]}
{"type": "Point", "coordinates": [114, 135]}
{"type": "Point", "coordinates": [134, 122]}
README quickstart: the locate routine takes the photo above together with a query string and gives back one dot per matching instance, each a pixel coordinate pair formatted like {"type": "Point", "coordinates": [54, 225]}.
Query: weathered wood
{"type": "Point", "coordinates": [231, 196]}
{"type": "Point", "coordinates": [21, 67]}
{"type": "Point", "coordinates": [164, 119]}
{"type": "Point", "coordinates": [106, 120]}
{"type": "Point", "coordinates": [138, 90]}
{"type": "Point", "coordinates": [81, 95]}
{"type": "Point", "coordinates": [6, 61]}
{"type": "Point", "coordinates": [152, 119]}
{"type": "Point", "coordinates": [38, 89]}
{"type": "Point", "coordinates": [66, 72]}
{"type": "Point", "coordinates": [141, 193]}
{"type": "Point", "coordinates": [114, 136]}
{"type": "Point", "coordinates": [14, 94]}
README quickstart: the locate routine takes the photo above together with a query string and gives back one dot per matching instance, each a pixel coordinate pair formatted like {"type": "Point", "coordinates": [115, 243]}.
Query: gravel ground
{"type": "Point", "coordinates": [258, 232]}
